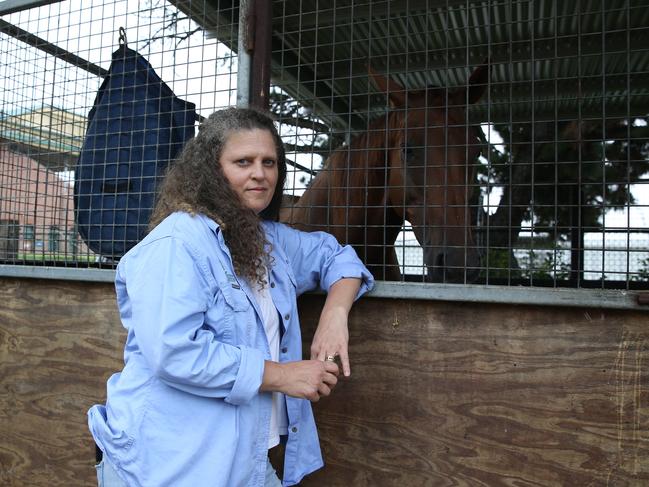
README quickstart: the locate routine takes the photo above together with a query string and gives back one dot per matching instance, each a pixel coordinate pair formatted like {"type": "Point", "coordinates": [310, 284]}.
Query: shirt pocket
{"type": "Point", "coordinates": [236, 299]}
{"type": "Point", "coordinates": [228, 314]}
{"type": "Point", "coordinates": [282, 271]}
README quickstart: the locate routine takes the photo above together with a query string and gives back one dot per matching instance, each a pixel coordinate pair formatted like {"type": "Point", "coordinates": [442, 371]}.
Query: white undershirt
{"type": "Point", "coordinates": [278, 417]}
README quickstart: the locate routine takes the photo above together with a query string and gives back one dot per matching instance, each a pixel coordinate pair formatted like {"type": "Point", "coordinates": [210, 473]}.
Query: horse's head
{"type": "Point", "coordinates": [432, 172]}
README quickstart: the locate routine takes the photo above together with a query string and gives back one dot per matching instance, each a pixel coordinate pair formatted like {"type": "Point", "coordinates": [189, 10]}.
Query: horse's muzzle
{"type": "Point", "coordinates": [455, 265]}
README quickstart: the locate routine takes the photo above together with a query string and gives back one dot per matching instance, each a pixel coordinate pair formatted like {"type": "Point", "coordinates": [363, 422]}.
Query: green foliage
{"type": "Point", "coordinates": [500, 263]}
{"type": "Point", "coordinates": [526, 264]}
{"type": "Point", "coordinates": [550, 267]}
{"type": "Point", "coordinates": [643, 273]}
{"type": "Point", "coordinates": [550, 170]}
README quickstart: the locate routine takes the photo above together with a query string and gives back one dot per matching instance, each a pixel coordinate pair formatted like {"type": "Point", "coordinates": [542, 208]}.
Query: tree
{"type": "Point", "coordinates": [562, 177]}
{"type": "Point", "coordinates": [307, 134]}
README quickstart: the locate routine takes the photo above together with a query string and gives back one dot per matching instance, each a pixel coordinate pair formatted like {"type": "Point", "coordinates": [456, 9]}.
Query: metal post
{"type": "Point", "coordinates": [245, 46]}
{"type": "Point", "coordinates": [261, 54]}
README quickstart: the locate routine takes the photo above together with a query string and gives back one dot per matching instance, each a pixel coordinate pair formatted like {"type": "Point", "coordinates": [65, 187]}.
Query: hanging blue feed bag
{"type": "Point", "coordinates": [135, 128]}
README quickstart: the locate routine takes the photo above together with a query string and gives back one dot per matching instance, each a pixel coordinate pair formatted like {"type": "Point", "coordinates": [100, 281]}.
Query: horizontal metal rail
{"type": "Point", "coordinates": [589, 298]}
{"type": "Point", "coordinates": [60, 273]}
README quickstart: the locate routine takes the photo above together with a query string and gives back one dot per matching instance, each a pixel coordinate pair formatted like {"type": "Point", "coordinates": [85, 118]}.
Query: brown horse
{"type": "Point", "coordinates": [416, 163]}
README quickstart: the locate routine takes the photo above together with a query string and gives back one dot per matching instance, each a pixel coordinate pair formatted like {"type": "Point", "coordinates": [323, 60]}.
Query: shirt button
{"type": "Point", "coordinates": [272, 284]}
{"type": "Point", "coordinates": [294, 429]}
{"type": "Point", "coordinates": [284, 349]}
{"type": "Point", "coordinates": [286, 317]}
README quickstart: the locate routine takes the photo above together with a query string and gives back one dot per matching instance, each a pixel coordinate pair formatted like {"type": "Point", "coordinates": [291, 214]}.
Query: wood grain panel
{"type": "Point", "coordinates": [441, 394]}
{"type": "Point", "coordinates": [59, 343]}
{"type": "Point", "coordinates": [451, 394]}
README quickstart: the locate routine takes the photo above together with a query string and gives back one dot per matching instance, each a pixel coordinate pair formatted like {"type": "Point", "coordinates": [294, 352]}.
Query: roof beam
{"type": "Point", "coordinates": [220, 19]}
{"type": "Point", "coordinates": [11, 6]}
{"type": "Point", "coordinates": [45, 46]}
{"type": "Point", "coordinates": [324, 16]}
{"type": "Point", "coordinates": [217, 18]}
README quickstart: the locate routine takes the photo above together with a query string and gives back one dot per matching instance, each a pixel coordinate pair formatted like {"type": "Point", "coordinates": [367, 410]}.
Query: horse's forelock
{"type": "Point", "coordinates": [366, 151]}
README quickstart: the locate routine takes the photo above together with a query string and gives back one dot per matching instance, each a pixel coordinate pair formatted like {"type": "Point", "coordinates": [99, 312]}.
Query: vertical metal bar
{"type": "Point", "coordinates": [334, 42]}
{"type": "Point", "coordinates": [510, 157]}
{"type": "Point", "coordinates": [533, 134]}
{"type": "Point", "coordinates": [349, 114]}
{"type": "Point", "coordinates": [576, 233]}
{"type": "Point", "coordinates": [444, 163]}
{"type": "Point", "coordinates": [260, 57]}
{"type": "Point", "coordinates": [628, 137]}
{"type": "Point", "coordinates": [468, 125]}
{"type": "Point", "coordinates": [424, 267]}
{"type": "Point", "coordinates": [557, 254]}
{"type": "Point", "coordinates": [366, 201]}
{"type": "Point", "coordinates": [386, 143]}
{"type": "Point", "coordinates": [245, 45]}
{"type": "Point", "coordinates": [603, 160]}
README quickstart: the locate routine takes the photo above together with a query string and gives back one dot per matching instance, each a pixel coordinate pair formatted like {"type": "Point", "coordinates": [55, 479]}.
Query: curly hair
{"type": "Point", "coordinates": [195, 183]}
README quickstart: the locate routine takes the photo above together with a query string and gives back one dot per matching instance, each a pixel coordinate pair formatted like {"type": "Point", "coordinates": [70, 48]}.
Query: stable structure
{"type": "Point", "coordinates": [529, 368]}
{"type": "Point", "coordinates": [566, 90]}
{"type": "Point", "coordinates": [557, 197]}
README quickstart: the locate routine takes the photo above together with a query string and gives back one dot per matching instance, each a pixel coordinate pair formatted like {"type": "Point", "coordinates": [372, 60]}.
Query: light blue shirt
{"type": "Point", "coordinates": [186, 409]}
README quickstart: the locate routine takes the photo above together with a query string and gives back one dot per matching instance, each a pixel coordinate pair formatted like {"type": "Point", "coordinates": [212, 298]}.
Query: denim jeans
{"type": "Point", "coordinates": [272, 480]}
{"type": "Point", "coordinates": [107, 477]}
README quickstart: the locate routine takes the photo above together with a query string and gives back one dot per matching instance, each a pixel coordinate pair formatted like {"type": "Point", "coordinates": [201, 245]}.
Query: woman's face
{"type": "Point", "coordinates": [249, 163]}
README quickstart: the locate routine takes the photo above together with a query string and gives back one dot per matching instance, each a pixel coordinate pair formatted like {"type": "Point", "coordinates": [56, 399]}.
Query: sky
{"type": "Point", "coordinates": [200, 70]}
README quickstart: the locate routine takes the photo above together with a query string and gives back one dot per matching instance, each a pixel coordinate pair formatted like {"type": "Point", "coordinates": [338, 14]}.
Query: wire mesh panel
{"type": "Point", "coordinates": [497, 142]}
{"type": "Point", "coordinates": [91, 96]}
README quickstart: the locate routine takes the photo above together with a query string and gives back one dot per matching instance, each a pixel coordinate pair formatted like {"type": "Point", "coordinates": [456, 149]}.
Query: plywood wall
{"type": "Point", "coordinates": [440, 394]}
{"type": "Point", "coordinates": [59, 342]}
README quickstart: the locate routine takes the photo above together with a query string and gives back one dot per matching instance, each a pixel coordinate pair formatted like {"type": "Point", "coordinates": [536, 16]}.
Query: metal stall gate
{"type": "Point", "coordinates": [498, 143]}
{"type": "Point", "coordinates": [95, 95]}
{"type": "Point", "coordinates": [514, 151]}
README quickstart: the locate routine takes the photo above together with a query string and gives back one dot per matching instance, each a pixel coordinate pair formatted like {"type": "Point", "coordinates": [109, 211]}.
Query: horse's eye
{"type": "Point", "coordinates": [407, 152]}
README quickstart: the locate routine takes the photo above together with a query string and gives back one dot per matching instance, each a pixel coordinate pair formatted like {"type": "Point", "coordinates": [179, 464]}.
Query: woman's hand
{"type": "Point", "coordinates": [306, 379]}
{"type": "Point", "coordinates": [332, 336]}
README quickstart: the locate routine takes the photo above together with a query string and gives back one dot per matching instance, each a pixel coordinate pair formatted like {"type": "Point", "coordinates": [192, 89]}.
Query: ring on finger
{"type": "Point", "coordinates": [331, 358]}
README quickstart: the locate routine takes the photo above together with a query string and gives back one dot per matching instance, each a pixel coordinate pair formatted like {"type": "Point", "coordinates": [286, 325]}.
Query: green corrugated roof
{"type": "Point", "coordinates": [550, 59]}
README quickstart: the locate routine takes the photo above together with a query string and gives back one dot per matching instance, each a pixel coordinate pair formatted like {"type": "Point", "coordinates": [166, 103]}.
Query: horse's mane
{"type": "Point", "coordinates": [366, 149]}
{"type": "Point", "coordinates": [365, 159]}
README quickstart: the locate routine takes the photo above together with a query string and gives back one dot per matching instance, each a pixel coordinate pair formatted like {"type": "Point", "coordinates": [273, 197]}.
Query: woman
{"type": "Point", "coordinates": [213, 372]}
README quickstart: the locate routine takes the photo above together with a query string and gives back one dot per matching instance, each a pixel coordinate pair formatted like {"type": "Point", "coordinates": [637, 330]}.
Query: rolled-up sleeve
{"type": "Point", "coordinates": [318, 260]}
{"type": "Point", "coordinates": [249, 377]}
{"type": "Point", "coordinates": [169, 289]}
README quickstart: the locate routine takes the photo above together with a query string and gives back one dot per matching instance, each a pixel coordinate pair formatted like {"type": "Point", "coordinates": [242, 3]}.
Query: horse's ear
{"type": "Point", "coordinates": [478, 82]}
{"type": "Point", "coordinates": [396, 93]}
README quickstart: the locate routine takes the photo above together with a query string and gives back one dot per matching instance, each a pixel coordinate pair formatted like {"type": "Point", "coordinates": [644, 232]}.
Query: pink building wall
{"type": "Point", "coordinates": [32, 195]}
